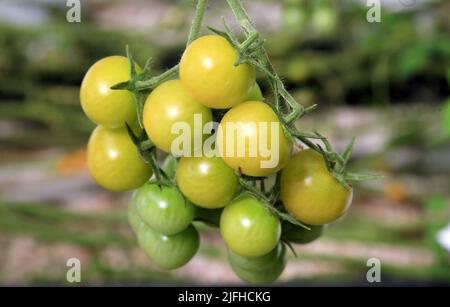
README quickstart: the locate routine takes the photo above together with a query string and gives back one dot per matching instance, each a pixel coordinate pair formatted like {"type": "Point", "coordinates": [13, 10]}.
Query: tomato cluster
{"type": "Point", "coordinates": [207, 188]}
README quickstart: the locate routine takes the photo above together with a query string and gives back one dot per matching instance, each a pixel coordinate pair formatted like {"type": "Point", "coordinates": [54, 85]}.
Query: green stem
{"type": "Point", "coordinates": [157, 80]}
{"type": "Point", "coordinates": [172, 72]}
{"type": "Point", "coordinates": [277, 85]}
{"type": "Point", "coordinates": [197, 22]}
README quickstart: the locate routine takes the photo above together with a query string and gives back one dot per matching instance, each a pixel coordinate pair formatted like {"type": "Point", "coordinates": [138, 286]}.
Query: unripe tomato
{"type": "Point", "coordinates": [211, 217]}
{"type": "Point", "coordinates": [248, 228]}
{"type": "Point", "coordinates": [169, 252]}
{"type": "Point", "coordinates": [163, 208]}
{"type": "Point", "coordinates": [256, 126]}
{"type": "Point", "coordinates": [255, 93]}
{"type": "Point", "coordinates": [259, 270]}
{"type": "Point", "coordinates": [114, 161]}
{"type": "Point", "coordinates": [300, 235]}
{"type": "Point", "coordinates": [168, 104]}
{"type": "Point", "coordinates": [217, 181]}
{"type": "Point", "coordinates": [104, 106]}
{"type": "Point", "coordinates": [134, 219]}
{"type": "Point", "coordinates": [208, 72]}
{"type": "Point", "coordinates": [310, 192]}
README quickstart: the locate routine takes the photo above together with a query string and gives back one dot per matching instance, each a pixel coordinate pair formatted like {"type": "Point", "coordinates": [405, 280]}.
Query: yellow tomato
{"type": "Point", "coordinates": [169, 104]}
{"type": "Point", "coordinates": [114, 161]}
{"type": "Point", "coordinates": [207, 182]}
{"type": "Point", "coordinates": [104, 106]}
{"type": "Point", "coordinates": [208, 72]}
{"type": "Point", "coordinates": [251, 138]}
{"type": "Point", "coordinates": [310, 192]}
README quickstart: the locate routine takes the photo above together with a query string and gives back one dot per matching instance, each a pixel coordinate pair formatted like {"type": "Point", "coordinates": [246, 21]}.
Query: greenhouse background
{"type": "Point", "coordinates": [386, 83]}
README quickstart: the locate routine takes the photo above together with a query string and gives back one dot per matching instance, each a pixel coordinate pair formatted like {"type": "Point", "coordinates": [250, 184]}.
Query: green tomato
{"type": "Point", "coordinates": [114, 161]}
{"type": "Point", "coordinates": [211, 217]}
{"type": "Point", "coordinates": [259, 270]}
{"type": "Point", "coordinates": [299, 235]}
{"type": "Point", "coordinates": [248, 228]}
{"type": "Point", "coordinates": [170, 166]}
{"type": "Point", "coordinates": [207, 182]}
{"type": "Point", "coordinates": [255, 93]}
{"type": "Point", "coordinates": [164, 208]}
{"type": "Point", "coordinates": [134, 219]}
{"type": "Point", "coordinates": [169, 252]}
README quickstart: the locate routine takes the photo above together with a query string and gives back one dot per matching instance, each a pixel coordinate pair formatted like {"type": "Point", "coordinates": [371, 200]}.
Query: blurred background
{"type": "Point", "coordinates": [387, 83]}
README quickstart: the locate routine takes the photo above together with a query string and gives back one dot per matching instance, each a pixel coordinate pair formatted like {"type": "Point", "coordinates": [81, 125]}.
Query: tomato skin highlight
{"type": "Point", "coordinates": [249, 119]}
{"type": "Point", "coordinates": [168, 104]}
{"type": "Point", "coordinates": [259, 270]}
{"type": "Point", "coordinates": [208, 72]}
{"type": "Point", "coordinates": [310, 192]}
{"type": "Point", "coordinates": [163, 208]}
{"type": "Point", "coordinates": [103, 105]}
{"type": "Point", "coordinates": [248, 228]}
{"type": "Point", "coordinates": [114, 161]}
{"type": "Point", "coordinates": [299, 235]}
{"type": "Point", "coordinates": [169, 252]}
{"type": "Point", "coordinates": [207, 182]}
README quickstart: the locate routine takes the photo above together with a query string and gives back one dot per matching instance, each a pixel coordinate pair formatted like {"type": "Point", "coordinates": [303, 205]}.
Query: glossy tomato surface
{"type": "Point", "coordinates": [169, 252]}
{"type": "Point", "coordinates": [248, 228]}
{"type": "Point", "coordinates": [114, 161]}
{"type": "Point", "coordinates": [169, 104]}
{"type": "Point", "coordinates": [208, 72]}
{"type": "Point", "coordinates": [310, 192]}
{"type": "Point", "coordinates": [163, 208]}
{"type": "Point", "coordinates": [207, 182]}
{"type": "Point", "coordinates": [104, 106]}
{"type": "Point", "coordinates": [251, 139]}
{"type": "Point", "coordinates": [259, 270]}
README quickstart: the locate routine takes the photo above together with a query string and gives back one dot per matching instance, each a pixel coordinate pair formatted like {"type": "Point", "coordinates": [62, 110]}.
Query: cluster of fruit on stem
{"type": "Point", "coordinates": [309, 189]}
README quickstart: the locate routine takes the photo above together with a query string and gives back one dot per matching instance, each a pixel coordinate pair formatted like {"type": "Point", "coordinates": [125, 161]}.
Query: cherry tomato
{"type": "Point", "coordinates": [169, 252]}
{"type": "Point", "coordinates": [208, 72]}
{"type": "Point", "coordinates": [212, 176]}
{"type": "Point", "coordinates": [259, 270]}
{"type": "Point", "coordinates": [257, 124]}
{"type": "Point", "coordinates": [211, 217]}
{"type": "Point", "coordinates": [248, 228]}
{"type": "Point", "coordinates": [164, 209]}
{"type": "Point", "coordinates": [310, 192]}
{"type": "Point", "coordinates": [114, 161]}
{"type": "Point", "coordinates": [170, 166]}
{"type": "Point", "coordinates": [300, 235]}
{"type": "Point", "coordinates": [104, 106]}
{"type": "Point", "coordinates": [168, 104]}
{"type": "Point", "coordinates": [134, 219]}
{"type": "Point", "coordinates": [255, 93]}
